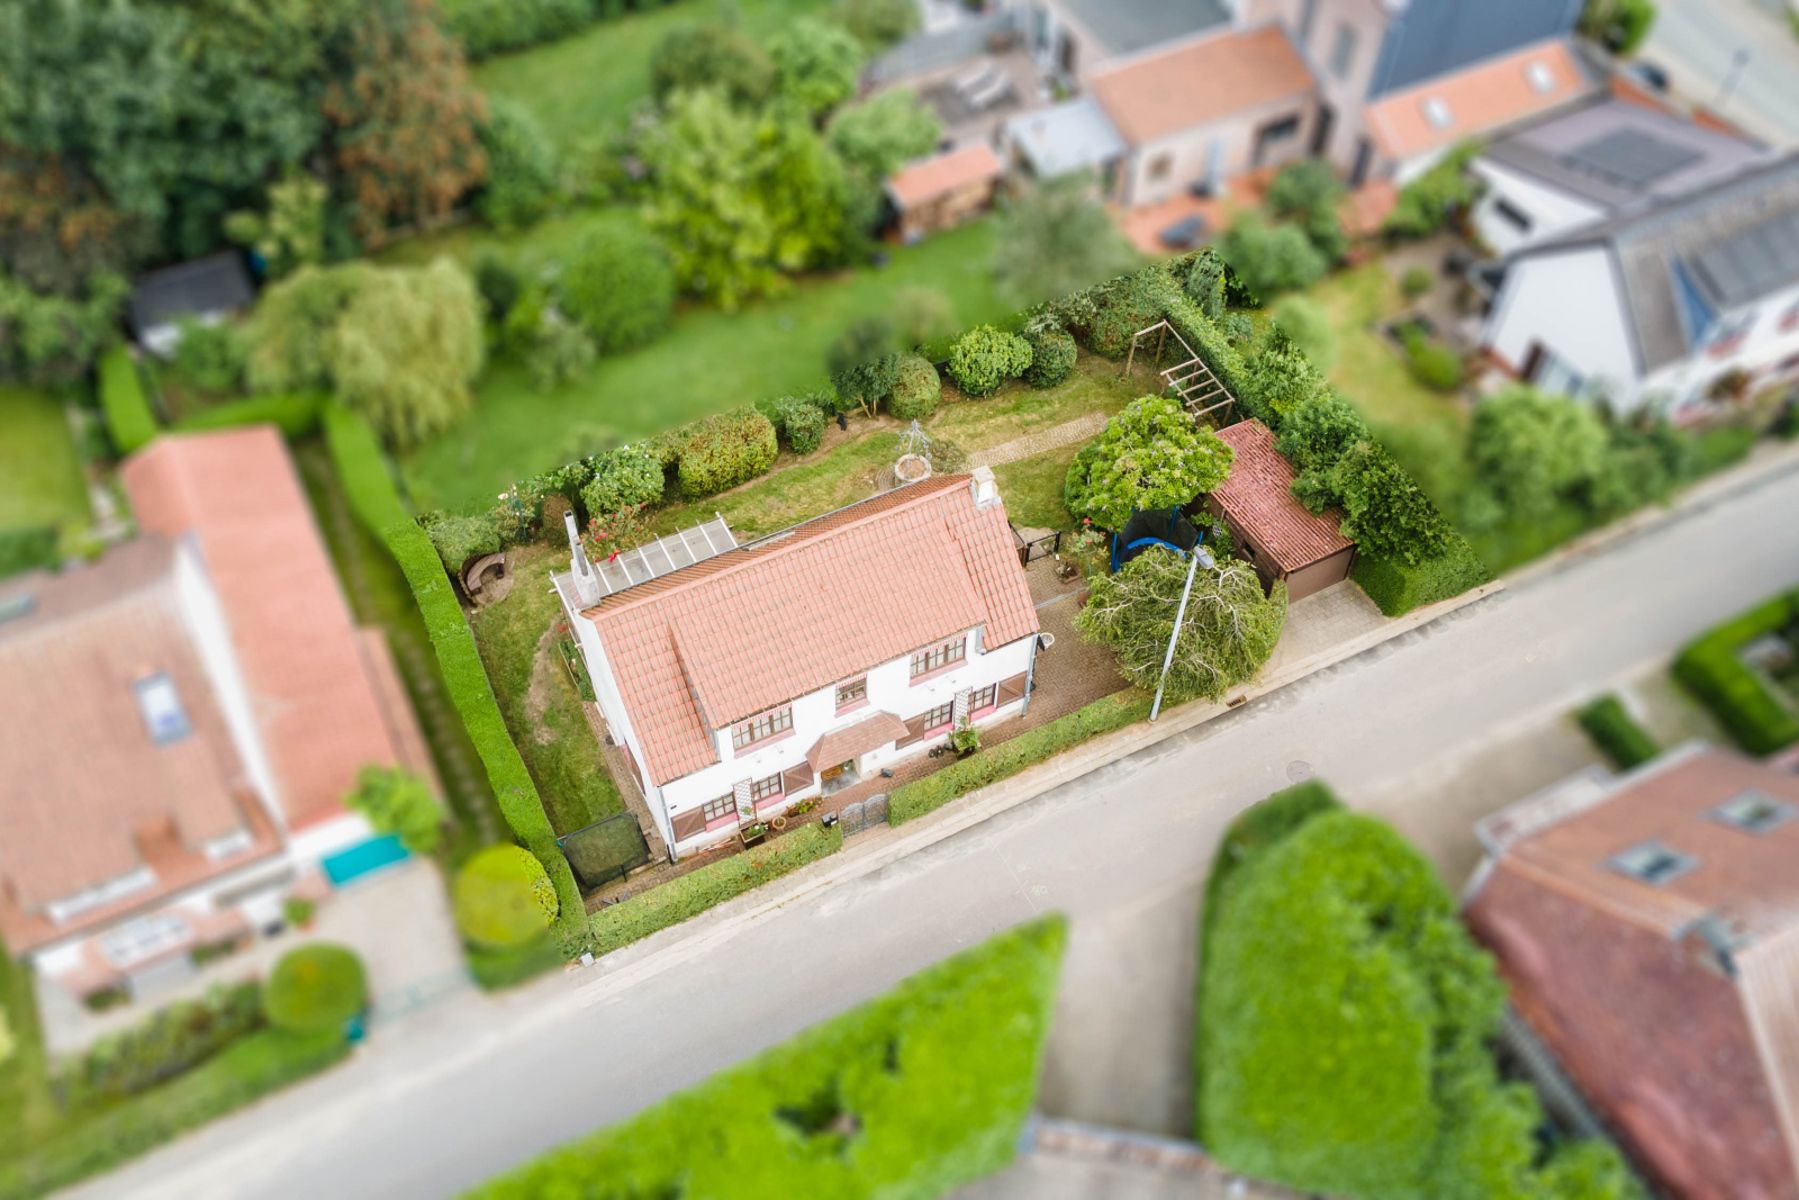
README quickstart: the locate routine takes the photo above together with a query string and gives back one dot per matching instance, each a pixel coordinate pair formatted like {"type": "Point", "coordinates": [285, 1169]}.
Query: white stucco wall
{"type": "Point", "coordinates": [1569, 302]}
{"type": "Point", "coordinates": [1190, 151]}
{"type": "Point", "coordinates": [1552, 212]}
{"type": "Point", "coordinates": [1346, 94]}
{"type": "Point", "coordinates": [1764, 348]}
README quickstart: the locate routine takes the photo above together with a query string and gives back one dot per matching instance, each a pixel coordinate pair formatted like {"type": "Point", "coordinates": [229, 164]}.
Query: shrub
{"type": "Point", "coordinates": [170, 1041]}
{"type": "Point", "coordinates": [719, 452]}
{"type": "Point", "coordinates": [623, 478]}
{"type": "Point", "coordinates": [314, 989]}
{"type": "Point", "coordinates": [913, 800]}
{"type": "Point", "coordinates": [1271, 260]}
{"type": "Point", "coordinates": [800, 420]}
{"type": "Point", "coordinates": [498, 284]}
{"type": "Point", "coordinates": [878, 24]}
{"type": "Point", "coordinates": [1104, 317]}
{"type": "Point", "coordinates": [561, 351]}
{"type": "Point", "coordinates": [862, 364]}
{"type": "Point", "coordinates": [909, 1095]}
{"type": "Point", "coordinates": [1616, 732]}
{"type": "Point", "coordinates": [27, 549]}
{"type": "Point", "coordinates": [985, 357]}
{"type": "Point", "coordinates": [1277, 378]}
{"type": "Point", "coordinates": [689, 895]}
{"type": "Point", "coordinates": [1309, 326]}
{"type": "Point", "coordinates": [922, 315]}
{"type": "Point", "coordinates": [915, 389]}
{"type": "Point", "coordinates": [521, 167]}
{"type": "Point", "coordinates": [1416, 281]}
{"type": "Point", "coordinates": [1432, 363]}
{"type": "Point", "coordinates": [1053, 356]}
{"type": "Point", "coordinates": [1619, 25]}
{"type": "Point", "coordinates": [1397, 587]}
{"type": "Point", "coordinates": [459, 540]}
{"type": "Point", "coordinates": [296, 415]}
{"type": "Point", "coordinates": [488, 27]}
{"type": "Point", "coordinates": [620, 286]}
{"type": "Point", "coordinates": [1320, 431]}
{"type": "Point", "coordinates": [816, 63]}
{"type": "Point", "coordinates": [129, 420]}
{"type": "Point", "coordinates": [503, 898]}
{"type": "Point", "coordinates": [210, 355]}
{"type": "Point", "coordinates": [1302, 188]}
{"type": "Point", "coordinates": [397, 802]}
{"type": "Point", "coordinates": [1427, 202]}
{"type": "Point", "coordinates": [1534, 451]}
{"type": "Point", "coordinates": [1204, 282]}
{"type": "Point", "coordinates": [1385, 510]}
{"type": "Point", "coordinates": [712, 54]}
{"type": "Point", "coordinates": [1712, 669]}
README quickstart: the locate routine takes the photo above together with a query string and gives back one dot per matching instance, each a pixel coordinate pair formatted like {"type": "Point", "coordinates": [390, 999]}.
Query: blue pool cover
{"type": "Point", "coordinates": [363, 858]}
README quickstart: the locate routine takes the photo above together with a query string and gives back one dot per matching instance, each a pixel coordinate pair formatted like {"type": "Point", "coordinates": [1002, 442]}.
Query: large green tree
{"type": "Point", "coordinates": [1151, 455]}
{"type": "Point", "coordinates": [1229, 630]}
{"type": "Point", "coordinates": [711, 54]}
{"type": "Point", "coordinates": [816, 63]}
{"type": "Point", "coordinates": [881, 134]}
{"type": "Point", "coordinates": [1531, 450]}
{"type": "Point", "coordinates": [1056, 239]}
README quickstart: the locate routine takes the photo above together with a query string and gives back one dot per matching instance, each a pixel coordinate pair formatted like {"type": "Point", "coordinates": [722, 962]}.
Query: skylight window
{"type": "Point", "coordinates": [1653, 863]}
{"type": "Point", "coordinates": [1541, 78]}
{"type": "Point", "coordinates": [164, 717]}
{"type": "Point", "coordinates": [1436, 111]}
{"type": "Point", "coordinates": [1754, 812]}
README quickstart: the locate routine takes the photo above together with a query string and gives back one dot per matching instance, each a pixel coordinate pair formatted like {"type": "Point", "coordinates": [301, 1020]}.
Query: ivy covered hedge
{"type": "Point", "coordinates": [1712, 668]}
{"type": "Point", "coordinates": [1397, 588]}
{"type": "Point", "coordinates": [368, 483]}
{"type": "Point", "coordinates": [910, 1095]}
{"type": "Point", "coordinates": [295, 414]}
{"type": "Point", "coordinates": [1616, 732]}
{"type": "Point", "coordinates": [691, 894]}
{"type": "Point", "coordinates": [913, 800]}
{"type": "Point", "coordinates": [1345, 1019]}
{"type": "Point", "coordinates": [129, 419]}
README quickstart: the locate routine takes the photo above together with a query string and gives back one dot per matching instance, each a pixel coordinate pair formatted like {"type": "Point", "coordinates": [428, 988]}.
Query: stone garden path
{"type": "Point", "coordinates": [1041, 441]}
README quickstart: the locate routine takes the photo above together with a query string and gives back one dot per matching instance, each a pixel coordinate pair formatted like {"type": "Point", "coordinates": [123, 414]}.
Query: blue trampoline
{"type": "Point", "coordinates": [363, 858]}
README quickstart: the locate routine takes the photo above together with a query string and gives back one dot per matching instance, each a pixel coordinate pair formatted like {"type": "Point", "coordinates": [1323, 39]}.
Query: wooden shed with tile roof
{"type": "Point", "coordinates": [1275, 531]}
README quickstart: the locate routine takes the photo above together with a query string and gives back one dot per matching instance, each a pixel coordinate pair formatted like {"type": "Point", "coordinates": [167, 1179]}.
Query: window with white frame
{"type": "Point", "coordinates": [939, 657]}
{"type": "Point", "coordinates": [762, 727]}
{"type": "Point", "coordinates": [766, 789]}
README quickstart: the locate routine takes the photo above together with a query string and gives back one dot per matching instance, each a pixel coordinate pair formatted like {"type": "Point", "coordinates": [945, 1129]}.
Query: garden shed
{"type": "Point", "coordinates": [1274, 530]}
{"type": "Point", "coordinates": [941, 192]}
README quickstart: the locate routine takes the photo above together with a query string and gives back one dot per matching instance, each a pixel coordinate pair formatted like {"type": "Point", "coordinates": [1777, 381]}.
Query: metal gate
{"type": "Point", "coordinates": [608, 849]}
{"type": "Point", "coordinates": [863, 813]}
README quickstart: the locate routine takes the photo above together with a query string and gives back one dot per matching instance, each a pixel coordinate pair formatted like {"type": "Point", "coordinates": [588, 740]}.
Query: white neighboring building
{"type": "Point", "coordinates": [745, 678]}
{"type": "Point", "coordinates": [1653, 306]}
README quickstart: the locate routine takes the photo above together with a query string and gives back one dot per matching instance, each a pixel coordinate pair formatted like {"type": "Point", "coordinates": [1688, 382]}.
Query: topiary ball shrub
{"type": "Point", "coordinates": [803, 424]}
{"type": "Point", "coordinates": [1432, 363]}
{"type": "Point", "coordinates": [1416, 281]}
{"type": "Point", "coordinates": [619, 285]}
{"type": "Point", "coordinates": [915, 389]}
{"type": "Point", "coordinates": [724, 450]}
{"type": "Point", "coordinates": [503, 898]}
{"type": "Point", "coordinates": [1053, 355]}
{"type": "Point", "coordinates": [985, 357]}
{"type": "Point", "coordinates": [622, 478]}
{"type": "Point", "coordinates": [315, 988]}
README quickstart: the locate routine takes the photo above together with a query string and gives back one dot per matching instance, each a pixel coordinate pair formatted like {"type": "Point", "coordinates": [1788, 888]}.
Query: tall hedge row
{"type": "Point", "coordinates": [129, 419]}
{"type": "Point", "coordinates": [295, 414]}
{"type": "Point", "coordinates": [908, 1096]}
{"type": "Point", "coordinates": [1743, 700]}
{"type": "Point", "coordinates": [369, 485]}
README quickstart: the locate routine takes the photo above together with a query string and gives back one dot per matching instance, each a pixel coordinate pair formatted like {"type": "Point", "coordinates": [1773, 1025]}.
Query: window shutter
{"type": "Point", "coordinates": [797, 778]}
{"type": "Point", "coordinates": [915, 727]}
{"type": "Point", "coordinates": [1012, 689]}
{"type": "Point", "coordinates": [689, 823]}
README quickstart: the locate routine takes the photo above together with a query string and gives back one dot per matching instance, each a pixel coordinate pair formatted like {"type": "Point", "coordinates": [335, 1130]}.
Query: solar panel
{"type": "Point", "coordinates": [1630, 158]}
{"type": "Point", "coordinates": [1748, 265]}
{"type": "Point", "coordinates": [656, 559]}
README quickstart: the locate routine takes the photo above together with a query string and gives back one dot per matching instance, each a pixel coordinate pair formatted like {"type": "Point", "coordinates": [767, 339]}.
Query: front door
{"type": "Point", "coordinates": [1321, 132]}
{"type": "Point", "coordinates": [835, 779]}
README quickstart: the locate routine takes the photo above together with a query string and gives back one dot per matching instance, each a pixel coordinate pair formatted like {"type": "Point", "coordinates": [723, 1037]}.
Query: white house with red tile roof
{"type": "Point", "coordinates": [209, 703]}
{"type": "Point", "coordinates": [802, 662]}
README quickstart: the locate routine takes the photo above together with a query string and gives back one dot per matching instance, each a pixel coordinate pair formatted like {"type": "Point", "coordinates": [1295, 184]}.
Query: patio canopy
{"type": "Point", "coordinates": [1071, 136]}
{"type": "Point", "coordinates": [841, 745]}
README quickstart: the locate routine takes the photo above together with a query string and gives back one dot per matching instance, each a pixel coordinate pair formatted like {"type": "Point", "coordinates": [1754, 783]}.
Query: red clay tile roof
{"type": "Point", "coordinates": [706, 646]}
{"type": "Point", "coordinates": [841, 745]}
{"type": "Point", "coordinates": [1199, 82]}
{"type": "Point", "coordinates": [1257, 496]}
{"type": "Point", "coordinates": [926, 180]}
{"type": "Point", "coordinates": [1479, 99]}
{"type": "Point", "coordinates": [87, 796]}
{"type": "Point", "coordinates": [235, 492]}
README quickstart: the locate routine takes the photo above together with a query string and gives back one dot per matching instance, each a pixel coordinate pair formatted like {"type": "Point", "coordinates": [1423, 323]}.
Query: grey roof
{"type": "Point", "coordinates": [1735, 240]}
{"type": "Point", "coordinates": [1071, 136]}
{"type": "Point", "coordinates": [1128, 26]}
{"type": "Point", "coordinates": [1616, 154]}
{"type": "Point", "coordinates": [1428, 38]}
{"type": "Point", "coordinates": [924, 53]}
{"type": "Point", "coordinates": [217, 283]}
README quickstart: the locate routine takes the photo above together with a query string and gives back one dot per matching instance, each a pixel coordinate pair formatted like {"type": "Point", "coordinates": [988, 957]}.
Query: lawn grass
{"type": "Point", "coordinates": [588, 83]}
{"type": "Point", "coordinates": [708, 361]}
{"type": "Point", "coordinates": [558, 745]}
{"type": "Point", "coordinates": [1032, 488]}
{"type": "Point", "coordinates": [40, 472]}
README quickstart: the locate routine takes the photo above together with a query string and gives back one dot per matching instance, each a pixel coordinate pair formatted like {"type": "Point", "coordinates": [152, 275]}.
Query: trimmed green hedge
{"type": "Point", "coordinates": [921, 796]}
{"type": "Point", "coordinates": [721, 451]}
{"type": "Point", "coordinates": [691, 894]}
{"type": "Point", "coordinates": [369, 486]}
{"type": "Point", "coordinates": [1397, 588]}
{"type": "Point", "coordinates": [1742, 700]}
{"type": "Point", "coordinates": [497, 969]}
{"type": "Point", "coordinates": [129, 419]}
{"type": "Point", "coordinates": [296, 415]}
{"type": "Point", "coordinates": [1616, 732]}
{"type": "Point", "coordinates": [27, 549]}
{"type": "Point", "coordinates": [245, 1071]}
{"type": "Point", "coordinates": [909, 1095]}
{"type": "Point", "coordinates": [315, 988]}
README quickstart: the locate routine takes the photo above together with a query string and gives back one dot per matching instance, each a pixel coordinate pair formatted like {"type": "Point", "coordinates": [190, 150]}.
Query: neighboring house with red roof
{"type": "Point", "coordinates": [213, 702]}
{"type": "Point", "coordinates": [1276, 532]}
{"type": "Point", "coordinates": [1648, 927]}
{"type": "Point", "coordinates": [741, 679]}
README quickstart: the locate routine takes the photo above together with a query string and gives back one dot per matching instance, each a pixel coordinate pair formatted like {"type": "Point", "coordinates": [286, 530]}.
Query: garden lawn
{"type": "Point", "coordinates": [40, 472]}
{"type": "Point", "coordinates": [542, 708]}
{"type": "Point", "coordinates": [589, 82]}
{"type": "Point", "coordinates": [709, 360]}
{"type": "Point", "coordinates": [845, 471]}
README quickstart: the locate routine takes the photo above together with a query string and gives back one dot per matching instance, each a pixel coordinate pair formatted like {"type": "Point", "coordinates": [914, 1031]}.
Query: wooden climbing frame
{"type": "Point", "coordinates": [1200, 392]}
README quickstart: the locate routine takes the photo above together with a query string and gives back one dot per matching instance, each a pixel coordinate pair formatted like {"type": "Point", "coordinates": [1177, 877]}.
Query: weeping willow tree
{"type": "Point", "coordinates": [1229, 631]}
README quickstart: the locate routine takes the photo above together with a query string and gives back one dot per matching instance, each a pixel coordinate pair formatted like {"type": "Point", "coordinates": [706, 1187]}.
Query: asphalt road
{"type": "Point", "coordinates": [458, 1093]}
{"type": "Point", "coordinates": [1698, 42]}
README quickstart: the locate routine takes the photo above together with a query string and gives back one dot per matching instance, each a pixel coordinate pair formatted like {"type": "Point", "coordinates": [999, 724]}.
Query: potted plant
{"type": "Point", "coordinates": [777, 823]}
{"type": "Point", "coordinates": [965, 741]}
{"type": "Point", "coordinates": [752, 834]}
{"type": "Point", "coordinates": [298, 910]}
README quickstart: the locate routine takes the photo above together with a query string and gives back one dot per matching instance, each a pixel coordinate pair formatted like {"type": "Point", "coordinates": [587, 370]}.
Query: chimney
{"type": "Point", "coordinates": [587, 583]}
{"type": "Point", "coordinates": [985, 488]}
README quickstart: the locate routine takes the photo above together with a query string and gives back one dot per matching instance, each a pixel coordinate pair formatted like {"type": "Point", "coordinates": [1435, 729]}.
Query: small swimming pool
{"type": "Point", "coordinates": [363, 858]}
